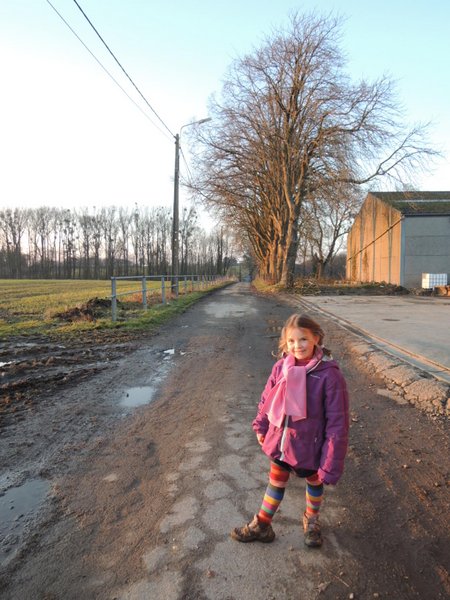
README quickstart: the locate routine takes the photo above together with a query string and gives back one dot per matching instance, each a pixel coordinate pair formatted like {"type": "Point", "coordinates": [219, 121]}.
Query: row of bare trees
{"type": "Point", "coordinates": [291, 141]}
{"type": "Point", "coordinates": [94, 244]}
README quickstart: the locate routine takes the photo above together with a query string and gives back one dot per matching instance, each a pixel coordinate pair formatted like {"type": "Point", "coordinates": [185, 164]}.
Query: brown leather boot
{"type": "Point", "coordinates": [255, 531]}
{"type": "Point", "coordinates": [311, 530]}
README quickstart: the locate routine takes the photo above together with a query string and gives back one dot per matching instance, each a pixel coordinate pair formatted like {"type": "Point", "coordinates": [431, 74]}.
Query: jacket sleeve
{"type": "Point", "coordinates": [261, 422]}
{"type": "Point", "coordinates": [335, 444]}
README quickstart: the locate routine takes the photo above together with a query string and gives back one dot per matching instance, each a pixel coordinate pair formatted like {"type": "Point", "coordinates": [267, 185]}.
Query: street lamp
{"type": "Point", "coordinates": [175, 220]}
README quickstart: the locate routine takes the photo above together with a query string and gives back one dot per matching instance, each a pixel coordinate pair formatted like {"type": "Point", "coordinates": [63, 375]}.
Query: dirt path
{"type": "Point", "coordinates": [141, 500]}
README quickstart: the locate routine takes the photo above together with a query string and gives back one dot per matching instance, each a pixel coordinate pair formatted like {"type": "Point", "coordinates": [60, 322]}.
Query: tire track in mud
{"type": "Point", "coordinates": [31, 370]}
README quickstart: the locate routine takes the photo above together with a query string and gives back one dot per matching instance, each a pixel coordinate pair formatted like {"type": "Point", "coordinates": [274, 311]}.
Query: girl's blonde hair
{"type": "Point", "coordinates": [304, 322]}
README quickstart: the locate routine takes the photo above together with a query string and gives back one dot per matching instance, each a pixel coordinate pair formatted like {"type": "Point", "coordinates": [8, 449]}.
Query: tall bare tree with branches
{"type": "Point", "coordinates": [290, 123]}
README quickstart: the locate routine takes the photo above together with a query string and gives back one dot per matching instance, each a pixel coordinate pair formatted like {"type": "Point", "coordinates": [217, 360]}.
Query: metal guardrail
{"type": "Point", "coordinates": [192, 281]}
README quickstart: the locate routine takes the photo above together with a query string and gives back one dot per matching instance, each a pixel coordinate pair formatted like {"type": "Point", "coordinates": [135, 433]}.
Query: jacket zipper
{"type": "Point", "coordinates": [283, 437]}
{"type": "Point", "coordinates": [286, 419]}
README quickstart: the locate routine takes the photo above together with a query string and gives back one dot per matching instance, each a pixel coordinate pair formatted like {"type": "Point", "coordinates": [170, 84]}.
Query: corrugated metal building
{"type": "Point", "coordinates": [397, 236]}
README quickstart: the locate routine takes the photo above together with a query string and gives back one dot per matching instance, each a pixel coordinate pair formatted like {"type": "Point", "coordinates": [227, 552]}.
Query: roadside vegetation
{"type": "Point", "coordinates": [304, 286]}
{"type": "Point", "coordinates": [68, 307]}
{"type": "Point", "coordinates": [86, 243]}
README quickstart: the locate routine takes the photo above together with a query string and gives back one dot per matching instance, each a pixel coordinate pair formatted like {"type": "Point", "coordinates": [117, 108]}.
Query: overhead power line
{"type": "Point", "coordinates": [106, 70]}
{"type": "Point", "coordinates": [186, 164]}
{"type": "Point", "coordinates": [117, 61]}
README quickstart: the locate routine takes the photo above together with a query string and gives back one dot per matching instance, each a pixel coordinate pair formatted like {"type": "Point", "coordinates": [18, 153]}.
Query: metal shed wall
{"type": "Point", "coordinates": [426, 247]}
{"type": "Point", "coordinates": [374, 243]}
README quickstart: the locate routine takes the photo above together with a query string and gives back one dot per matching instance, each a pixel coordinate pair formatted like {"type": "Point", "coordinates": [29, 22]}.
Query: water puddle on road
{"type": "Point", "coordinates": [18, 506]}
{"type": "Point", "coordinates": [137, 396]}
{"type": "Point", "coordinates": [224, 310]}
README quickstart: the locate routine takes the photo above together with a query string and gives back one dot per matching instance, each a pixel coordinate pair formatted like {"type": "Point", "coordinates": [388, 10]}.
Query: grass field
{"type": "Point", "coordinates": [31, 306]}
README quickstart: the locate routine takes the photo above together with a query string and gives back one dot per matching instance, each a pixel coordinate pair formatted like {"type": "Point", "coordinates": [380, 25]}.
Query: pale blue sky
{"type": "Point", "coordinates": [69, 137]}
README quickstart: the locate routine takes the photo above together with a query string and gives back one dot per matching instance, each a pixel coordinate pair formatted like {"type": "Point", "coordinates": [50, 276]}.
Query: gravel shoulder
{"type": "Point", "coordinates": [138, 502]}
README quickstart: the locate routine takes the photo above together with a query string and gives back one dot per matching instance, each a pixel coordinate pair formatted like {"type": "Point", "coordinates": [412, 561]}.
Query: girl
{"type": "Point", "coordinates": [302, 425]}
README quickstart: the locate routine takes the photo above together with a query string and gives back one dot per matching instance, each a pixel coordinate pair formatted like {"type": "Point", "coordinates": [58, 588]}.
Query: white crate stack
{"type": "Point", "coordinates": [431, 280]}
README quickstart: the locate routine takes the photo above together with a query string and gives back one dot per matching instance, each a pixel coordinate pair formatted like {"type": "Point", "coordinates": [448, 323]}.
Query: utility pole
{"type": "Point", "coordinates": [175, 219]}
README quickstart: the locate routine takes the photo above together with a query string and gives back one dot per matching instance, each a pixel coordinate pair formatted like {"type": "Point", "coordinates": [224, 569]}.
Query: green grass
{"type": "Point", "coordinates": [30, 296]}
{"type": "Point", "coordinates": [30, 307]}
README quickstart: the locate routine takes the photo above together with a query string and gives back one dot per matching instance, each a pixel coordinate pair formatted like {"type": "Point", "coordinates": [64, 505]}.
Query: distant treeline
{"type": "Point", "coordinates": [86, 243]}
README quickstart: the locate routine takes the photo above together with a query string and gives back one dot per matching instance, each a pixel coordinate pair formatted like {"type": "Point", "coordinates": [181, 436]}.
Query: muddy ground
{"type": "Point", "coordinates": [124, 467]}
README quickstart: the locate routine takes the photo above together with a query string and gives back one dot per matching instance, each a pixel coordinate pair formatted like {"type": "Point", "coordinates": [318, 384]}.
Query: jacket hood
{"type": "Point", "coordinates": [326, 362]}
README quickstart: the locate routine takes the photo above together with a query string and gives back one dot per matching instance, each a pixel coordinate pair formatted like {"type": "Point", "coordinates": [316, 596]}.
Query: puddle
{"type": "Point", "coordinates": [26, 345]}
{"type": "Point", "coordinates": [169, 353]}
{"type": "Point", "coordinates": [137, 396]}
{"type": "Point", "coordinates": [223, 310]}
{"type": "Point", "coordinates": [17, 507]}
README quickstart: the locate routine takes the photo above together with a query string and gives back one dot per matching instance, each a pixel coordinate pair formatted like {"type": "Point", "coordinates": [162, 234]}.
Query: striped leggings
{"type": "Point", "coordinates": [278, 478]}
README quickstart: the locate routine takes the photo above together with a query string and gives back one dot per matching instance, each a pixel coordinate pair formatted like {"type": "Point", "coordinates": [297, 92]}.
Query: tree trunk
{"type": "Point", "coordinates": [319, 268]}
{"type": "Point", "coordinates": [291, 247]}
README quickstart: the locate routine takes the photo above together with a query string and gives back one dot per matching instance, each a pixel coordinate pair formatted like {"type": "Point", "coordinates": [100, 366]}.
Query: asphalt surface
{"type": "Point", "coordinates": [412, 328]}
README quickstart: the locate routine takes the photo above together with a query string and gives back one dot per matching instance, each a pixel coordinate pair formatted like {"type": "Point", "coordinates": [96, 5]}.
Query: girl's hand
{"type": "Point", "coordinates": [260, 437]}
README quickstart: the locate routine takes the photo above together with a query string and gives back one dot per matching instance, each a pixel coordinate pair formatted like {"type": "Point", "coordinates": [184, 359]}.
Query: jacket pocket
{"type": "Point", "coordinates": [303, 449]}
{"type": "Point", "coordinates": [272, 440]}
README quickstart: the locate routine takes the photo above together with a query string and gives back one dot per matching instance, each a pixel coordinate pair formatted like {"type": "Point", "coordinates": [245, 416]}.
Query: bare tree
{"type": "Point", "coordinates": [163, 236]}
{"type": "Point", "coordinates": [97, 228]}
{"type": "Point", "coordinates": [327, 217]}
{"type": "Point", "coordinates": [85, 223]}
{"type": "Point", "coordinates": [188, 228]}
{"type": "Point", "coordinates": [289, 124]}
{"type": "Point", "coordinates": [149, 240]}
{"type": "Point", "coordinates": [110, 236]}
{"type": "Point", "coordinates": [68, 233]}
{"type": "Point", "coordinates": [124, 229]}
{"type": "Point", "coordinates": [12, 229]}
{"type": "Point", "coordinates": [41, 222]}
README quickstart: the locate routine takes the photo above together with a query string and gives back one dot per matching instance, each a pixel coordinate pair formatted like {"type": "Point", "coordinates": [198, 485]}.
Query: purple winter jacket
{"type": "Point", "coordinates": [320, 441]}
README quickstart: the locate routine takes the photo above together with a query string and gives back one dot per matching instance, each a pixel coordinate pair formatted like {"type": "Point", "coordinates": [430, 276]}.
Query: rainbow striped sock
{"type": "Point", "coordinates": [314, 495]}
{"type": "Point", "coordinates": [278, 478]}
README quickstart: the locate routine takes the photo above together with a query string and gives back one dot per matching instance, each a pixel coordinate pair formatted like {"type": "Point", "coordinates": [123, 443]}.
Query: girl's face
{"type": "Point", "coordinates": [300, 342]}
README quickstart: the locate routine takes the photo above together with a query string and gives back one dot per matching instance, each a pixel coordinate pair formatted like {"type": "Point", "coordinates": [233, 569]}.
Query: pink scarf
{"type": "Point", "coordinates": [288, 396]}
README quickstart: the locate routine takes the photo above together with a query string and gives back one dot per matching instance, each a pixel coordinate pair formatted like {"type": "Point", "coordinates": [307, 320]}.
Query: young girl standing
{"type": "Point", "coordinates": [302, 425]}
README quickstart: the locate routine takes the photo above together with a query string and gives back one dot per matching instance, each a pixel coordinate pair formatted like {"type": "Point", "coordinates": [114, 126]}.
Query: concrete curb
{"type": "Point", "coordinates": [408, 383]}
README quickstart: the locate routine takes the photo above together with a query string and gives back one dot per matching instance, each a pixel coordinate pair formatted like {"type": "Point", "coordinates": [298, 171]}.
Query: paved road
{"type": "Point", "coordinates": [417, 329]}
{"type": "Point", "coordinates": [143, 509]}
